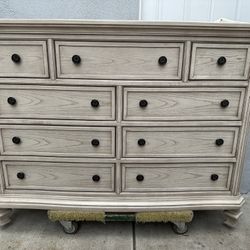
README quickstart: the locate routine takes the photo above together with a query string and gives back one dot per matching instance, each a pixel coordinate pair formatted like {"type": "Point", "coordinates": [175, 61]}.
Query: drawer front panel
{"type": "Point", "coordinates": [179, 142]}
{"type": "Point", "coordinates": [58, 103]}
{"type": "Point", "coordinates": [119, 60]}
{"type": "Point", "coordinates": [182, 104]}
{"type": "Point", "coordinates": [176, 177]}
{"type": "Point", "coordinates": [62, 141]}
{"type": "Point", "coordinates": [23, 59]}
{"type": "Point", "coordinates": [220, 61]}
{"type": "Point", "coordinates": [59, 176]}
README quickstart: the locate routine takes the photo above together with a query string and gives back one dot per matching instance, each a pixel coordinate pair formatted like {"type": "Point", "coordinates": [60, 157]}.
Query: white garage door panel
{"type": "Point", "coordinates": [195, 10]}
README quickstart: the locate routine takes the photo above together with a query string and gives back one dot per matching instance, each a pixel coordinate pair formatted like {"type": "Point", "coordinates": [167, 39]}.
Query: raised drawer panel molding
{"type": "Point", "coordinates": [220, 61]}
{"type": "Point", "coordinates": [119, 60]}
{"type": "Point", "coordinates": [183, 104]}
{"type": "Point", "coordinates": [61, 141]}
{"type": "Point", "coordinates": [180, 142]}
{"type": "Point", "coordinates": [79, 103]}
{"type": "Point", "coordinates": [176, 177]}
{"type": "Point", "coordinates": [59, 176]}
{"type": "Point", "coordinates": [123, 116]}
{"type": "Point", "coordinates": [23, 59]}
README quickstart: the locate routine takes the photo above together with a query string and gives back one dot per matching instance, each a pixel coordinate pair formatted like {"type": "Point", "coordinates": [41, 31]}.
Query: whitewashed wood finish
{"type": "Point", "coordinates": [58, 103]}
{"type": "Point", "coordinates": [182, 104]}
{"type": "Point", "coordinates": [119, 60]}
{"type": "Point", "coordinates": [59, 141]}
{"type": "Point", "coordinates": [59, 176]}
{"type": "Point", "coordinates": [175, 177]}
{"type": "Point", "coordinates": [72, 125]}
{"type": "Point", "coordinates": [205, 56]}
{"type": "Point", "coordinates": [179, 142]}
{"type": "Point", "coordinates": [34, 59]}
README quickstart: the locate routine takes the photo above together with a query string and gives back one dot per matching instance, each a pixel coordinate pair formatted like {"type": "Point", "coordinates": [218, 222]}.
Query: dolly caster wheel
{"type": "Point", "coordinates": [179, 227]}
{"type": "Point", "coordinates": [70, 227]}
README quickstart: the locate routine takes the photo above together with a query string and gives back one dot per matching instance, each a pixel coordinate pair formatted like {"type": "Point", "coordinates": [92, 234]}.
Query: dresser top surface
{"type": "Point", "coordinates": [75, 26]}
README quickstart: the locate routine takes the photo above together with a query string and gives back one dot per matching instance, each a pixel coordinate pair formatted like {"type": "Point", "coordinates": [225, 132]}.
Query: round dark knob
{"type": "Point", "coordinates": [11, 100]}
{"type": "Point", "coordinates": [162, 60]}
{"type": "Point", "coordinates": [16, 58]}
{"type": "Point", "coordinates": [141, 142]}
{"type": "Point", "coordinates": [16, 140]}
{"type": "Point", "coordinates": [139, 177]}
{"type": "Point", "coordinates": [96, 178]}
{"type": "Point", "coordinates": [76, 59]}
{"type": "Point", "coordinates": [20, 175]}
{"type": "Point", "coordinates": [224, 103]}
{"type": "Point", "coordinates": [219, 142]}
{"type": "Point", "coordinates": [143, 103]}
{"type": "Point", "coordinates": [95, 142]}
{"type": "Point", "coordinates": [95, 103]}
{"type": "Point", "coordinates": [221, 60]}
{"type": "Point", "coordinates": [214, 177]}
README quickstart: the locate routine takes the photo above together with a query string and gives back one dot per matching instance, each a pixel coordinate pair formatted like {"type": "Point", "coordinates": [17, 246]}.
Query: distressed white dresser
{"type": "Point", "coordinates": [123, 116]}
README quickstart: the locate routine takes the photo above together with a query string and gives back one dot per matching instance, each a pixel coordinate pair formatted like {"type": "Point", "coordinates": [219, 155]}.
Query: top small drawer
{"type": "Point", "coordinates": [106, 60]}
{"type": "Point", "coordinates": [23, 59]}
{"type": "Point", "coordinates": [220, 61]}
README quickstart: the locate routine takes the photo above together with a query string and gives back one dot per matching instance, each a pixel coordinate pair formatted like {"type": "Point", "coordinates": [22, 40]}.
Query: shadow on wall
{"type": "Point", "coordinates": [73, 9]}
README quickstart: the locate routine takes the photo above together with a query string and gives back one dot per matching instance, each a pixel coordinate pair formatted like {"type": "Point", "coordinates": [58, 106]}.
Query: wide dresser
{"type": "Point", "coordinates": [123, 116]}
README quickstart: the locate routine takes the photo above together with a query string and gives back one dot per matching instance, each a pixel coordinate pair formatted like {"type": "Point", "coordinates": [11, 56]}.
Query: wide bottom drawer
{"type": "Point", "coordinates": [176, 177]}
{"type": "Point", "coordinates": [59, 176]}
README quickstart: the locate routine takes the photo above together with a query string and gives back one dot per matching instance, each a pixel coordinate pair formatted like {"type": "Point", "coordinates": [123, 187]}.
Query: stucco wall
{"type": "Point", "coordinates": [70, 9]}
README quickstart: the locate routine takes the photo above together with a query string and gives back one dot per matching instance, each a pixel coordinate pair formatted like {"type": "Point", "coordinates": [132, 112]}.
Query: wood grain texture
{"type": "Point", "coordinates": [182, 104]}
{"type": "Point", "coordinates": [175, 177]}
{"type": "Point", "coordinates": [59, 176]}
{"type": "Point", "coordinates": [179, 142]}
{"type": "Point", "coordinates": [59, 141]}
{"type": "Point", "coordinates": [58, 103]}
{"type": "Point", "coordinates": [120, 64]}
{"type": "Point", "coordinates": [34, 59]}
{"type": "Point", "coordinates": [119, 60]}
{"type": "Point", "coordinates": [204, 61]}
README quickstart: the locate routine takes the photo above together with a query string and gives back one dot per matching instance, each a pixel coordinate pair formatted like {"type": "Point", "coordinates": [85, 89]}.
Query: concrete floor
{"type": "Point", "coordinates": [31, 230]}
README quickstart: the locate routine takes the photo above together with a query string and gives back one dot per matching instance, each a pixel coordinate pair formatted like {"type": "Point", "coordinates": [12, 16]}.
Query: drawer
{"type": "Point", "coordinates": [179, 141]}
{"type": "Point", "coordinates": [23, 59]}
{"type": "Point", "coordinates": [59, 176]}
{"type": "Point", "coordinates": [74, 103]}
{"type": "Point", "coordinates": [220, 61]}
{"type": "Point", "coordinates": [176, 177]}
{"type": "Point", "coordinates": [183, 103]}
{"type": "Point", "coordinates": [114, 60]}
{"type": "Point", "coordinates": [59, 140]}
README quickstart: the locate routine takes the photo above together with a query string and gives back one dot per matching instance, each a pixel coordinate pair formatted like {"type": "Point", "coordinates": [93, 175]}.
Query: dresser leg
{"type": "Point", "coordinates": [232, 217]}
{"type": "Point", "coordinates": [5, 215]}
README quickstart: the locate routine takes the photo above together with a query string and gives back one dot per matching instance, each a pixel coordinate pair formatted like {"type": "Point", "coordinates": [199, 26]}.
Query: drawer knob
{"type": "Point", "coordinates": [139, 177]}
{"type": "Point", "coordinates": [214, 177]}
{"type": "Point", "coordinates": [20, 175]}
{"type": "Point", "coordinates": [76, 59]}
{"type": "Point", "coordinates": [221, 60]}
{"type": "Point", "coordinates": [162, 60]}
{"type": "Point", "coordinates": [219, 142]}
{"type": "Point", "coordinates": [16, 58]}
{"type": "Point", "coordinates": [16, 140]}
{"type": "Point", "coordinates": [143, 103]}
{"type": "Point", "coordinates": [95, 142]}
{"type": "Point", "coordinates": [96, 178]}
{"type": "Point", "coordinates": [95, 103]}
{"type": "Point", "coordinates": [141, 142]}
{"type": "Point", "coordinates": [11, 100]}
{"type": "Point", "coordinates": [224, 103]}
